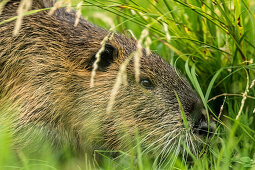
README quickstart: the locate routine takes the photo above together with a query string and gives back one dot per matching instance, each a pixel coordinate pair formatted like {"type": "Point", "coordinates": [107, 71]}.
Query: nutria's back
{"type": "Point", "coordinates": [46, 73]}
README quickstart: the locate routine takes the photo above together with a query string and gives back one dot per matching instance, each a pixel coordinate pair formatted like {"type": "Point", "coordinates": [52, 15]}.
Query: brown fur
{"type": "Point", "coordinates": [45, 75]}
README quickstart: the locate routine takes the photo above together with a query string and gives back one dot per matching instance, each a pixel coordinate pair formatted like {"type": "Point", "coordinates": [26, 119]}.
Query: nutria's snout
{"type": "Point", "coordinates": [201, 126]}
{"type": "Point", "coordinates": [202, 129]}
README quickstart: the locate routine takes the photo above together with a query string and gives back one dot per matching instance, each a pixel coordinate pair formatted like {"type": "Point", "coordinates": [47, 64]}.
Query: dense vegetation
{"type": "Point", "coordinates": [213, 44]}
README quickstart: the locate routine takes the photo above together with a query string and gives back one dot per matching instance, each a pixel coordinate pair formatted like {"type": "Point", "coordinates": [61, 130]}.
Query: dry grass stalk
{"type": "Point", "coordinates": [122, 75]}
{"type": "Point", "coordinates": [78, 14]}
{"type": "Point", "coordinates": [109, 36]}
{"type": "Point", "coordinates": [139, 53]}
{"type": "Point", "coordinates": [2, 4]}
{"type": "Point", "coordinates": [132, 34]}
{"type": "Point", "coordinates": [244, 98]}
{"type": "Point", "coordinates": [143, 15]}
{"type": "Point", "coordinates": [252, 83]}
{"type": "Point", "coordinates": [168, 37]}
{"type": "Point", "coordinates": [61, 3]}
{"type": "Point", "coordinates": [120, 79]}
{"type": "Point", "coordinates": [24, 6]}
{"type": "Point", "coordinates": [221, 108]}
{"type": "Point", "coordinates": [147, 45]}
{"type": "Point", "coordinates": [106, 20]}
{"type": "Point", "coordinates": [229, 94]}
{"type": "Point", "coordinates": [56, 6]}
{"type": "Point", "coordinates": [68, 5]}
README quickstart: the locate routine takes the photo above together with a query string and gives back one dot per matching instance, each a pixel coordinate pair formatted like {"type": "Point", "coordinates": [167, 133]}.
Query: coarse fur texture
{"type": "Point", "coordinates": [45, 73]}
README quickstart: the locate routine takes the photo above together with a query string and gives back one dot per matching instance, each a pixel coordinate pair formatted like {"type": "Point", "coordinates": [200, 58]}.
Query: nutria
{"type": "Point", "coordinates": [45, 84]}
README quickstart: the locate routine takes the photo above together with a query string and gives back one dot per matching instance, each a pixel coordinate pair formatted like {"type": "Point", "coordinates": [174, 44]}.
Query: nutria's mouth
{"type": "Point", "coordinates": [186, 147]}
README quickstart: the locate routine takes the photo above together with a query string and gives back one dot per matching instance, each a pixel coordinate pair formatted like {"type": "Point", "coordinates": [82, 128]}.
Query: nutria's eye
{"type": "Point", "coordinates": [146, 83]}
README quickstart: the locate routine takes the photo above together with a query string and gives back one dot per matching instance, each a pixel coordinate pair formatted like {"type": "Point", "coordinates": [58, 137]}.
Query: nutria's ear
{"type": "Point", "coordinates": [107, 57]}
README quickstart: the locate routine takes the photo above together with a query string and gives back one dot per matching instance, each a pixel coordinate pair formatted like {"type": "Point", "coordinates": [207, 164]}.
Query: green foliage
{"type": "Point", "coordinates": [213, 43]}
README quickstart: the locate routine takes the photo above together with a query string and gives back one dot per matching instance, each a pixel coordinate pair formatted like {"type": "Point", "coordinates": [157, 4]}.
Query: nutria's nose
{"type": "Point", "coordinates": [202, 129]}
{"type": "Point", "coordinates": [199, 120]}
{"type": "Point", "coordinates": [200, 123]}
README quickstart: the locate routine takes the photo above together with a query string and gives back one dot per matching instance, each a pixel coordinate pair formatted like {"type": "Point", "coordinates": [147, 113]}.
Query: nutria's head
{"type": "Point", "coordinates": [50, 82]}
{"type": "Point", "coordinates": [149, 106]}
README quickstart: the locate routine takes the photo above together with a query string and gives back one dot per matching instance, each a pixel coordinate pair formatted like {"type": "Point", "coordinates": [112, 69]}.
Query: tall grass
{"type": "Point", "coordinates": [213, 44]}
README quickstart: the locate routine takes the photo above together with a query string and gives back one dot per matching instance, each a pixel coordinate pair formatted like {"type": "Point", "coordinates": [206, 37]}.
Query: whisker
{"type": "Point", "coordinates": [164, 155]}
{"type": "Point", "coordinates": [199, 139]}
{"type": "Point", "coordinates": [158, 128]}
{"type": "Point", "coordinates": [173, 157]}
{"type": "Point", "coordinates": [159, 146]}
{"type": "Point", "coordinates": [187, 144]}
{"type": "Point", "coordinates": [192, 144]}
{"type": "Point", "coordinates": [168, 135]}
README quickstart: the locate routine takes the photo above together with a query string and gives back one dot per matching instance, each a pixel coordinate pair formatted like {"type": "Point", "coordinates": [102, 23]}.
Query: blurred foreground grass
{"type": "Point", "coordinates": [213, 43]}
